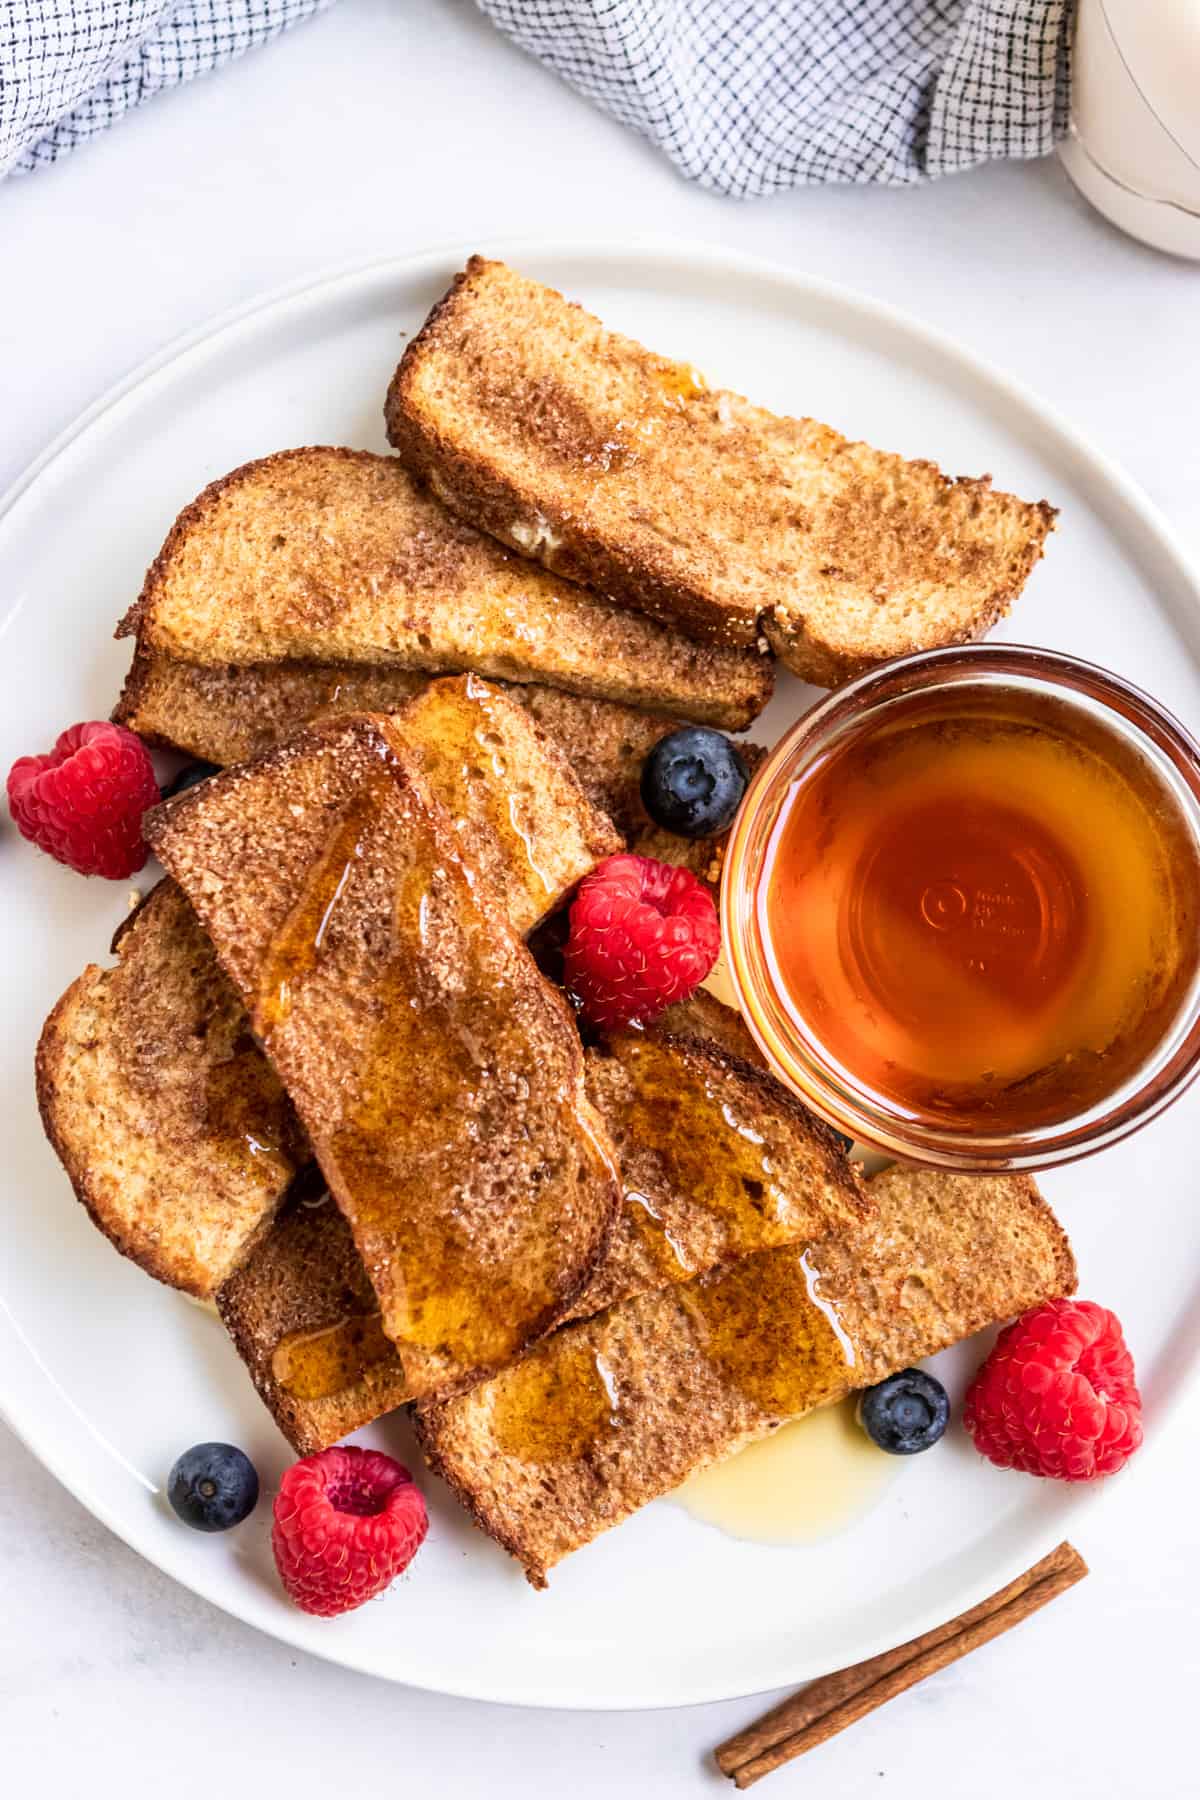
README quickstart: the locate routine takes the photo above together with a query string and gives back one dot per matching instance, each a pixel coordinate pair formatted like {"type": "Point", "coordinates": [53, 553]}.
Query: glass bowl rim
{"type": "Point", "coordinates": [1110, 1119]}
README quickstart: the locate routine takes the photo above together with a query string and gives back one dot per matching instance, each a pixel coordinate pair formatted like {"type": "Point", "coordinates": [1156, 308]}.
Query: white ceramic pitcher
{"type": "Point", "coordinates": [1134, 148]}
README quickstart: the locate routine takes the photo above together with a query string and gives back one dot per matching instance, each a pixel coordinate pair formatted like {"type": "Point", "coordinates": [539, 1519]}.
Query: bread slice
{"type": "Point", "coordinates": [614, 1412]}
{"type": "Point", "coordinates": [622, 469]}
{"type": "Point", "coordinates": [327, 555]}
{"type": "Point", "coordinates": [523, 824]}
{"type": "Point", "coordinates": [605, 744]}
{"type": "Point", "coordinates": [175, 1132]}
{"type": "Point", "coordinates": [706, 1020]}
{"type": "Point", "coordinates": [231, 714]}
{"type": "Point", "coordinates": [717, 1159]}
{"type": "Point", "coordinates": [439, 1077]}
{"type": "Point", "coordinates": [303, 1287]}
{"type": "Point", "coordinates": [172, 1126]}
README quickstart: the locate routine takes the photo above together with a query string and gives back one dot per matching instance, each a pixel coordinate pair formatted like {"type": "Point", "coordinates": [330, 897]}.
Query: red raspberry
{"type": "Point", "coordinates": [643, 934]}
{"type": "Point", "coordinates": [1058, 1395]}
{"type": "Point", "coordinates": [347, 1522]}
{"type": "Point", "coordinates": [84, 802]}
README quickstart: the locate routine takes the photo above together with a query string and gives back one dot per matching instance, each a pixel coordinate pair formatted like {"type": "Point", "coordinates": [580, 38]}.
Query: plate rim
{"type": "Point", "coordinates": [643, 252]}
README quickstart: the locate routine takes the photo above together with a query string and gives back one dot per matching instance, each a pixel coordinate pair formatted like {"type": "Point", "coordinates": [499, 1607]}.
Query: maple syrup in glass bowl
{"type": "Point", "coordinates": [961, 908]}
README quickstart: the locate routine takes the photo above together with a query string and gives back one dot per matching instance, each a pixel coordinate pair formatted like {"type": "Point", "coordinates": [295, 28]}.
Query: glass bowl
{"type": "Point", "coordinates": [1106, 708]}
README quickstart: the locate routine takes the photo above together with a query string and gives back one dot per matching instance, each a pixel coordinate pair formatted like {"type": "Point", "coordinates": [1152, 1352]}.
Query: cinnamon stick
{"type": "Point", "coordinates": [827, 1706]}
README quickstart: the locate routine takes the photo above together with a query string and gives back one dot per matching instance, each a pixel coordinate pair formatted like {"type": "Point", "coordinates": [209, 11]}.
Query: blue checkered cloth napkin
{"type": "Point", "coordinates": [746, 96]}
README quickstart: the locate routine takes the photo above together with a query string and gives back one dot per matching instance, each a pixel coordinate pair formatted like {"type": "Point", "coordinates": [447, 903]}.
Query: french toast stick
{"type": "Point", "coordinates": [173, 1128]}
{"type": "Point", "coordinates": [327, 555]}
{"type": "Point", "coordinates": [615, 1411]}
{"type": "Point", "coordinates": [304, 1319]}
{"type": "Point", "coordinates": [520, 817]}
{"type": "Point", "coordinates": [706, 1020]}
{"type": "Point", "coordinates": [230, 714]}
{"type": "Point", "coordinates": [621, 469]}
{"type": "Point", "coordinates": [438, 1075]}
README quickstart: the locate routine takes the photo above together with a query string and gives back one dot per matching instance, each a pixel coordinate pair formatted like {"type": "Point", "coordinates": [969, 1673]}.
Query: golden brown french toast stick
{"type": "Point", "coordinates": [521, 820]}
{"type": "Point", "coordinates": [176, 1134]}
{"type": "Point", "coordinates": [718, 1160]}
{"type": "Point", "coordinates": [305, 1321]}
{"type": "Point", "coordinates": [621, 469]}
{"type": "Point", "coordinates": [231, 713]}
{"type": "Point", "coordinates": [438, 1075]}
{"type": "Point", "coordinates": [614, 1412]}
{"type": "Point", "coordinates": [327, 555]}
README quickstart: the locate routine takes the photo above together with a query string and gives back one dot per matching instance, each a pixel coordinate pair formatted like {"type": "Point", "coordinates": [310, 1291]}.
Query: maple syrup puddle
{"type": "Point", "coordinates": [811, 1479]}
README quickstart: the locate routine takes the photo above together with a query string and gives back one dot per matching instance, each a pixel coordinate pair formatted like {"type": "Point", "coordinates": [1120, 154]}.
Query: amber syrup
{"type": "Point", "coordinates": [985, 909]}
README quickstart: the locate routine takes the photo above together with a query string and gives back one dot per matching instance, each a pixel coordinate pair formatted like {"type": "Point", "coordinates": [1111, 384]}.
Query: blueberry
{"type": "Point", "coordinates": [213, 1486]}
{"type": "Point", "coordinates": [906, 1413]}
{"type": "Point", "coordinates": [693, 782]}
{"type": "Point", "coordinates": [189, 776]}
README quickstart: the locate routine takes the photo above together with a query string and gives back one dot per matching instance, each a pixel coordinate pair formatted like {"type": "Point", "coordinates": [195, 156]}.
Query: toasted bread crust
{"type": "Point", "coordinates": [55, 1047]}
{"type": "Point", "coordinates": [232, 714]}
{"type": "Point", "coordinates": [325, 554]}
{"type": "Point", "coordinates": [616, 468]}
{"type": "Point", "coordinates": [941, 1257]}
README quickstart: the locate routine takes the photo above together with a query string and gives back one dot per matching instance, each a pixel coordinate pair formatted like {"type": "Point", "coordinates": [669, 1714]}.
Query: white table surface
{"type": "Point", "coordinates": [377, 129]}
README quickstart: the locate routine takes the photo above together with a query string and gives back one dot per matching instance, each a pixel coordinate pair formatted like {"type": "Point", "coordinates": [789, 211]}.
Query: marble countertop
{"type": "Point", "coordinates": [373, 130]}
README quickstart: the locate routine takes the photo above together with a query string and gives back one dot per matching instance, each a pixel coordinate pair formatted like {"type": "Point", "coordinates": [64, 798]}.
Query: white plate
{"type": "Point", "coordinates": [107, 1376]}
